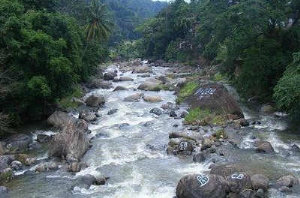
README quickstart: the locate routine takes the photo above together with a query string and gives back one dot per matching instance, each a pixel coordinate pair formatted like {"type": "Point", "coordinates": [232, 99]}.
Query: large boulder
{"type": "Point", "coordinates": [151, 85]}
{"type": "Point", "coordinates": [99, 84]}
{"type": "Point", "coordinates": [202, 186]}
{"type": "Point", "coordinates": [109, 76]}
{"type": "Point", "coordinates": [264, 147]}
{"type": "Point", "coordinates": [60, 119]}
{"type": "Point", "coordinates": [18, 142]}
{"type": "Point", "coordinates": [133, 98]}
{"type": "Point", "coordinates": [95, 101]}
{"type": "Point", "coordinates": [152, 99]}
{"type": "Point", "coordinates": [156, 111]}
{"type": "Point", "coordinates": [226, 170]}
{"type": "Point", "coordinates": [142, 69]}
{"type": "Point", "coordinates": [71, 143]}
{"type": "Point", "coordinates": [260, 181]}
{"type": "Point", "coordinates": [239, 182]}
{"type": "Point", "coordinates": [87, 116]}
{"type": "Point", "coordinates": [120, 88]}
{"type": "Point", "coordinates": [43, 138]}
{"type": "Point", "coordinates": [122, 78]}
{"type": "Point", "coordinates": [286, 181]}
{"type": "Point", "coordinates": [215, 97]}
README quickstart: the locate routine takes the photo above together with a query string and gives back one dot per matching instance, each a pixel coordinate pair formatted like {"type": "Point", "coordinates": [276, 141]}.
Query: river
{"type": "Point", "coordinates": [130, 148]}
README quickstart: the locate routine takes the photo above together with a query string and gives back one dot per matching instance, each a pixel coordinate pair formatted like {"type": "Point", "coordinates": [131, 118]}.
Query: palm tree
{"type": "Point", "coordinates": [100, 25]}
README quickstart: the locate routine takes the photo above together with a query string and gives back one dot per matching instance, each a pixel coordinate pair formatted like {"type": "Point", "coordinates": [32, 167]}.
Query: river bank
{"type": "Point", "coordinates": [129, 124]}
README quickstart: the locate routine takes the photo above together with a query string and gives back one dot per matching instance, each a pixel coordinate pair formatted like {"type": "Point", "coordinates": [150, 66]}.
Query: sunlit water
{"type": "Point", "coordinates": [134, 155]}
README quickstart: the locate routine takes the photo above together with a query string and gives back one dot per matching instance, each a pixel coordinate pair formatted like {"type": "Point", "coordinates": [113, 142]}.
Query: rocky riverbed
{"type": "Point", "coordinates": [129, 138]}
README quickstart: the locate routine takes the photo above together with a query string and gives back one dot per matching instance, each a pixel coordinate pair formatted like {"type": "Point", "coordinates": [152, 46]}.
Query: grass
{"type": "Point", "coordinates": [204, 117]}
{"type": "Point", "coordinates": [67, 102]}
{"type": "Point", "coordinates": [187, 90]}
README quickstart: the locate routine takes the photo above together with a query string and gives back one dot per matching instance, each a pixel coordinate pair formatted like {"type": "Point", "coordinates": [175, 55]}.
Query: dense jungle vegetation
{"type": "Point", "coordinates": [48, 47]}
{"type": "Point", "coordinates": [255, 43]}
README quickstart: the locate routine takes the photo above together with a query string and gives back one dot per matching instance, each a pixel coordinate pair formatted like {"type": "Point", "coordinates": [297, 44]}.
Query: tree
{"type": "Point", "coordinates": [99, 26]}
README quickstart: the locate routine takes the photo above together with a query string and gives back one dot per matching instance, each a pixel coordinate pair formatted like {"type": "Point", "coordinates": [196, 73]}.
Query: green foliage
{"type": "Point", "coordinates": [43, 55]}
{"type": "Point", "coordinates": [187, 90]}
{"type": "Point", "coordinates": [287, 91]}
{"type": "Point", "coordinates": [68, 102]}
{"type": "Point", "coordinates": [196, 115]}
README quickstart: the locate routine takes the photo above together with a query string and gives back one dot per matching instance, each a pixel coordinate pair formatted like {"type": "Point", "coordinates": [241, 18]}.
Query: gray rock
{"type": "Point", "coordinates": [120, 88]}
{"type": "Point", "coordinates": [133, 98]}
{"type": "Point", "coordinates": [86, 181]}
{"type": "Point", "coordinates": [18, 142]}
{"type": "Point", "coordinates": [87, 116]}
{"type": "Point", "coordinates": [35, 145]}
{"type": "Point", "coordinates": [16, 165]}
{"type": "Point", "coordinates": [42, 138]}
{"type": "Point", "coordinates": [72, 142]}
{"type": "Point", "coordinates": [112, 111]}
{"type": "Point", "coordinates": [260, 181]}
{"type": "Point", "coordinates": [195, 186]}
{"type": "Point", "coordinates": [109, 76]}
{"type": "Point", "coordinates": [239, 181]}
{"type": "Point", "coordinates": [95, 101]}
{"type": "Point", "coordinates": [199, 157]}
{"type": "Point", "coordinates": [152, 99]}
{"type": "Point", "coordinates": [99, 84]}
{"type": "Point", "coordinates": [226, 170]}
{"type": "Point", "coordinates": [46, 166]}
{"type": "Point", "coordinates": [264, 147]}
{"type": "Point", "coordinates": [286, 181]}
{"type": "Point", "coordinates": [142, 69]}
{"type": "Point", "coordinates": [173, 114]}
{"type": "Point", "coordinates": [170, 106]}
{"type": "Point", "coordinates": [150, 85]}
{"type": "Point", "coordinates": [60, 119]}
{"type": "Point", "coordinates": [156, 111]}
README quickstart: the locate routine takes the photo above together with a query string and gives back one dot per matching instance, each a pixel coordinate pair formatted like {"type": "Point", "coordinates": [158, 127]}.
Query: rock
{"type": "Point", "coordinates": [76, 166]}
{"type": "Point", "coordinates": [226, 170]}
{"type": "Point", "coordinates": [120, 88]}
{"type": "Point", "coordinates": [16, 165]}
{"type": "Point", "coordinates": [156, 111]}
{"type": "Point", "coordinates": [95, 101]}
{"type": "Point", "coordinates": [215, 97]}
{"type": "Point", "coordinates": [152, 99]}
{"type": "Point", "coordinates": [295, 148]}
{"type": "Point", "coordinates": [109, 76]}
{"type": "Point", "coordinates": [142, 69]}
{"type": "Point", "coordinates": [244, 122]}
{"type": "Point", "coordinates": [173, 114]}
{"type": "Point", "coordinates": [3, 192]}
{"type": "Point", "coordinates": [180, 135]}
{"type": "Point", "coordinates": [125, 78]}
{"type": "Point", "coordinates": [239, 181]}
{"type": "Point", "coordinates": [150, 85]}
{"type": "Point", "coordinates": [18, 142]}
{"type": "Point", "coordinates": [72, 142]}
{"type": "Point", "coordinates": [46, 166]}
{"type": "Point", "coordinates": [133, 98]}
{"type": "Point", "coordinates": [202, 186]}
{"type": "Point", "coordinates": [286, 181]}
{"type": "Point", "coordinates": [86, 181]}
{"type": "Point", "coordinates": [112, 111]}
{"type": "Point", "coordinates": [101, 180]}
{"type": "Point", "coordinates": [285, 189]}
{"type": "Point", "coordinates": [42, 138]}
{"type": "Point", "coordinates": [60, 119]}
{"type": "Point", "coordinates": [183, 114]}
{"type": "Point", "coordinates": [264, 147]}
{"type": "Point", "coordinates": [199, 157]}
{"type": "Point", "coordinates": [207, 143]}
{"type": "Point", "coordinates": [144, 75]}
{"type": "Point", "coordinates": [34, 146]}
{"type": "Point", "coordinates": [260, 193]}
{"type": "Point", "coordinates": [246, 193]}
{"type": "Point", "coordinates": [170, 106]}
{"type": "Point", "coordinates": [186, 147]}
{"type": "Point", "coordinates": [87, 116]}
{"type": "Point", "coordinates": [30, 161]}
{"type": "Point", "coordinates": [99, 84]}
{"type": "Point", "coordinates": [260, 181]}
{"type": "Point", "coordinates": [267, 109]}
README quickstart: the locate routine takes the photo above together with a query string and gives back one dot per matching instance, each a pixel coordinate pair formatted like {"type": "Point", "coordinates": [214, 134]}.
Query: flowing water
{"type": "Point", "coordinates": [130, 148]}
